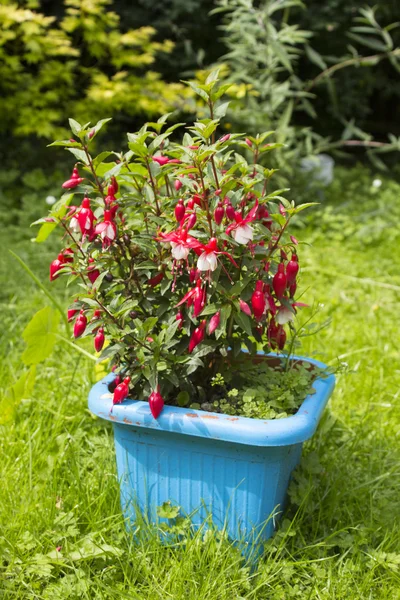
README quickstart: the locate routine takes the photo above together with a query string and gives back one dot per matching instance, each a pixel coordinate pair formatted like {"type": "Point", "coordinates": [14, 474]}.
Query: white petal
{"type": "Point", "coordinates": [212, 261]}
{"type": "Point", "coordinates": [179, 251]}
{"type": "Point", "coordinates": [202, 262]}
{"type": "Point", "coordinates": [284, 316]}
{"type": "Point", "coordinates": [110, 232]}
{"type": "Point", "coordinates": [207, 261]}
{"type": "Point", "coordinates": [243, 234]}
{"type": "Point", "coordinates": [74, 225]}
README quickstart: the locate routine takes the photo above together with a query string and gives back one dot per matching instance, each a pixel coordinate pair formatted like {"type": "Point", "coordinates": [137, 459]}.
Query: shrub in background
{"type": "Point", "coordinates": [267, 53]}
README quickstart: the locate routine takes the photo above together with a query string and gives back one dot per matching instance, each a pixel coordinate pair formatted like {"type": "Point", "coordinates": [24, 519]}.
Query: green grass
{"type": "Point", "coordinates": [340, 536]}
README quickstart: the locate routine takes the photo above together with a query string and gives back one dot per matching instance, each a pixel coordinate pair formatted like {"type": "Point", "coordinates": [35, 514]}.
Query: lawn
{"type": "Point", "coordinates": [61, 532]}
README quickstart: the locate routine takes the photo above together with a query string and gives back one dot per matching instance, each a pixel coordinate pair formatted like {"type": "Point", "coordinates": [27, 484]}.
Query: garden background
{"type": "Point", "coordinates": [326, 78]}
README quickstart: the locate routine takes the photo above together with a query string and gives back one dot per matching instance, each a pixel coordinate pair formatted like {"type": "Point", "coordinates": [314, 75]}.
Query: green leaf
{"type": "Point", "coordinates": [183, 398]}
{"type": "Point", "coordinates": [40, 336]}
{"type": "Point", "coordinates": [13, 396]}
{"type": "Point", "coordinates": [202, 93]}
{"type": "Point", "coordinates": [243, 321]}
{"type": "Point", "coordinates": [315, 58]}
{"type": "Point", "coordinates": [168, 510]}
{"type": "Point", "coordinates": [79, 155]}
{"type": "Point", "coordinates": [76, 127]}
{"type": "Point", "coordinates": [101, 157]}
{"type": "Point", "coordinates": [221, 110]}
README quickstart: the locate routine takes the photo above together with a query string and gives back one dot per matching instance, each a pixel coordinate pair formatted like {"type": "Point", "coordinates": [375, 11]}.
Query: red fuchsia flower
{"type": "Point", "coordinates": [92, 272]}
{"type": "Point", "coordinates": [292, 268]}
{"type": "Point", "coordinates": [83, 219]}
{"type": "Point", "coordinates": [179, 318]}
{"type": "Point", "coordinates": [96, 314]}
{"type": "Point", "coordinates": [279, 281]}
{"type": "Point", "coordinates": [181, 243]}
{"type": "Point", "coordinates": [99, 340]}
{"type": "Point", "coordinates": [197, 336]}
{"type": "Point", "coordinates": [180, 211]}
{"type": "Point", "coordinates": [188, 298]}
{"type": "Point", "coordinates": [292, 289]}
{"type": "Point", "coordinates": [294, 240]}
{"type": "Point", "coordinates": [73, 181]}
{"type": "Point", "coordinates": [207, 260]}
{"type": "Point", "coordinates": [80, 324]}
{"type": "Point", "coordinates": [161, 160]}
{"type": "Point", "coordinates": [258, 302]}
{"type": "Point", "coordinates": [178, 184]}
{"type": "Point", "coordinates": [219, 213]}
{"type": "Point", "coordinates": [241, 231]}
{"type": "Point", "coordinates": [244, 307]}
{"type": "Point", "coordinates": [156, 403]}
{"type": "Point", "coordinates": [106, 229]}
{"type": "Point", "coordinates": [121, 391]}
{"type": "Point", "coordinates": [214, 322]}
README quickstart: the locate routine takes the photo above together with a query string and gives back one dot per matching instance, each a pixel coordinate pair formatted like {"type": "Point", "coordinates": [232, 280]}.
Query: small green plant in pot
{"type": "Point", "coordinates": [186, 272]}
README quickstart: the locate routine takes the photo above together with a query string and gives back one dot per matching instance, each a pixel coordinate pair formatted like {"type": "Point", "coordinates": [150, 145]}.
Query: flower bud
{"type": "Point", "coordinates": [121, 391]}
{"type": "Point", "coordinates": [91, 133]}
{"type": "Point", "coordinates": [156, 403]}
{"type": "Point", "coordinates": [230, 212]}
{"type": "Point", "coordinates": [80, 324]}
{"type": "Point", "coordinates": [197, 336]}
{"type": "Point", "coordinates": [113, 187]}
{"type": "Point", "coordinates": [214, 322]}
{"type": "Point", "coordinates": [279, 281]}
{"type": "Point", "coordinates": [191, 221]}
{"type": "Point", "coordinates": [156, 279]}
{"type": "Point", "coordinates": [71, 313]}
{"type": "Point", "coordinates": [225, 138]}
{"type": "Point", "coordinates": [99, 340]}
{"type": "Point", "coordinates": [292, 269]}
{"type": "Point", "coordinates": [248, 142]}
{"type": "Point", "coordinates": [244, 307]}
{"type": "Point", "coordinates": [180, 211]}
{"type": "Point", "coordinates": [258, 303]}
{"type": "Point", "coordinates": [178, 184]}
{"type": "Point", "coordinates": [55, 266]}
{"type": "Point", "coordinates": [179, 317]}
{"type": "Point", "coordinates": [219, 213]}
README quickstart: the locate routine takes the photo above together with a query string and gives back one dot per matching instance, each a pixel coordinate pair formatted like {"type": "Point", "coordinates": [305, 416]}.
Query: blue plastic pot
{"type": "Point", "coordinates": [235, 469]}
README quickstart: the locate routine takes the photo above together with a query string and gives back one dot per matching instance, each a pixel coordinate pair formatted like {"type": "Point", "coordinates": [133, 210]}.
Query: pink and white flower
{"type": "Point", "coordinates": [241, 231]}
{"type": "Point", "coordinates": [107, 229]}
{"type": "Point", "coordinates": [207, 260]}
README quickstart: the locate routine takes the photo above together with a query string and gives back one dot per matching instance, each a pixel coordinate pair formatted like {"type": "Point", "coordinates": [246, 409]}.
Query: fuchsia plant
{"type": "Point", "coordinates": [181, 251]}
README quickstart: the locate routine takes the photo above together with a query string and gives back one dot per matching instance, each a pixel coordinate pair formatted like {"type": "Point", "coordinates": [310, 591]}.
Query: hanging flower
{"type": "Point", "coordinates": [241, 231]}
{"type": "Point", "coordinates": [207, 260]}
{"type": "Point", "coordinates": [156, 403]}
{"type": "Point", "coordinates": [106, 229]}
{"type": "Point", "coordinates": [181, 243]}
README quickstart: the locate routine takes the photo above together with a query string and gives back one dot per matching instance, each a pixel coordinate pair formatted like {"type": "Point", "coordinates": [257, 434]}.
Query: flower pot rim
{"type": "Point", "coordinates": [290, 430]}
